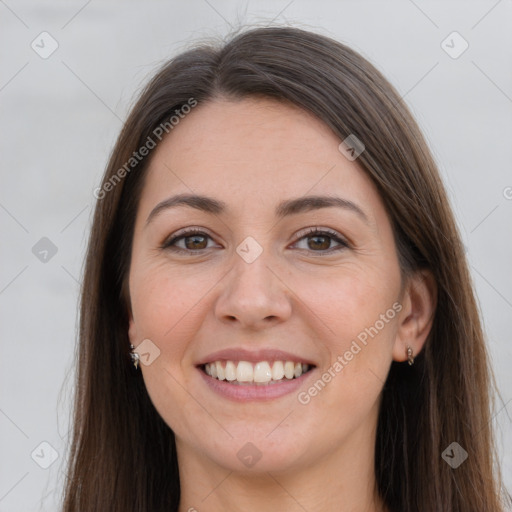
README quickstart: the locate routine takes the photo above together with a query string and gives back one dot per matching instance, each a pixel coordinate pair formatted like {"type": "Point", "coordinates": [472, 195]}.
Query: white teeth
{"type": "Point", "coordinates": [244, 372]}
{"type": "Point", "coordinates": [230, 371]}
{"type": "Point", "coordinates": [289, 370]}
{"type": "Point", "coordinates": [277, 370]}
{"type": "Point", "coordinates": [261, 372]}
{"type": "Point", "coordinates": [220, 371]}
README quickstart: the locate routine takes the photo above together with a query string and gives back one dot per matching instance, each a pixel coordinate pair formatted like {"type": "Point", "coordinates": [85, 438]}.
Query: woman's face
{"type": "Point", "coordinates": [269, 277]}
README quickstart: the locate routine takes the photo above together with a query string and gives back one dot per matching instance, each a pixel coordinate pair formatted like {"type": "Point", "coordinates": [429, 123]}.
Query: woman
{"type": "Point", "coordinates": [274, 252]}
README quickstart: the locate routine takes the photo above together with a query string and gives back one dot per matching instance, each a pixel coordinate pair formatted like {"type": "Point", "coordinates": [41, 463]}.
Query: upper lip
{"type": "Point", "coordinates": [253, 356]}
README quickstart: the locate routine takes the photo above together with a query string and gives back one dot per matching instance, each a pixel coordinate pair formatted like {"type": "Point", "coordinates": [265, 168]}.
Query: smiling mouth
{"type": "Point", "coordinates": [260, 373]}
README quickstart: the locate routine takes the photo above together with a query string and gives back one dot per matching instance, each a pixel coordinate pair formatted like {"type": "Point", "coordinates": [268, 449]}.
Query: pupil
{"type": "Point", "coordinates": [195, 239]}
{"type": "Point", "coordinates": [325, 245]}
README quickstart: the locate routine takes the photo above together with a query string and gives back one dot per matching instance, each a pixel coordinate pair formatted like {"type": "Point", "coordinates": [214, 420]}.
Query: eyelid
{"type": "Point", "coordinates": [312, 230]}
{"type": "Point", "coordinates": [184, 233]}
{"type": "Point", "coordinates": [318, 229]}
{"type": "Point", "coordinates": [337, 237]}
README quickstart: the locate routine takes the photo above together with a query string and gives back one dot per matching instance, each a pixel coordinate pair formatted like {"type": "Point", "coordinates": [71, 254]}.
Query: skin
{"type": "Point", "coordinates": [252, 154]}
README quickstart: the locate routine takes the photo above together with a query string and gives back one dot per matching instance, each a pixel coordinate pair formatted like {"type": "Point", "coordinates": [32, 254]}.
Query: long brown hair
{"type": "Point", "coordinates": [122, 457]}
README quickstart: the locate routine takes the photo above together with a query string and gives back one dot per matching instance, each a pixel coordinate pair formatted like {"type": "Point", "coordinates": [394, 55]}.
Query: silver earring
{"type": "Point", "coordinates": [410, 358]}
{"type": "Point", "coordinates": [135, 357]}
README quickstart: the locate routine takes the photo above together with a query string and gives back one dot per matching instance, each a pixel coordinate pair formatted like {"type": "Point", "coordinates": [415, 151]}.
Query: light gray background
{"type": "Point", "coordinates": [60, 116]}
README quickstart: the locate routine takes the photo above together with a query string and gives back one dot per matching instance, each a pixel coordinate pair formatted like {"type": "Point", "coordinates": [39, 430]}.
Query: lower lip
{"type": "Point", "coordinates": [261, 392]}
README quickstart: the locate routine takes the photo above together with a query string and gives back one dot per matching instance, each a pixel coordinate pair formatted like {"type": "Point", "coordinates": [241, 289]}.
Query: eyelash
{"type": "Point", "coordinates": [315, 231]}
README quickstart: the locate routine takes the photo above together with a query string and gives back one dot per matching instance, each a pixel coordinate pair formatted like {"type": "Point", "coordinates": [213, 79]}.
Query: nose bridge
{"type": "Point", "coordinates": [252, 270]}
{"type": "Point", "coordinates": [253, 292]}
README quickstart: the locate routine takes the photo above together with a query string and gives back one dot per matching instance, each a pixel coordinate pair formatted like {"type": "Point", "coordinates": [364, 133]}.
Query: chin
{"type": "Point", "coordinates": [259, 455]}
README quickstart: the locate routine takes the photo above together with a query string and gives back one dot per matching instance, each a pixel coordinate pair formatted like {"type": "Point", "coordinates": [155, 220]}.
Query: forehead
{"type": "Point", "coordinates": [254, 152]}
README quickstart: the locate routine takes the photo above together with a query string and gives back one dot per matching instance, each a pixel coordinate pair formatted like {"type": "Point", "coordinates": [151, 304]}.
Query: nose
{"type": "Point", "coordinates": [254, 295]}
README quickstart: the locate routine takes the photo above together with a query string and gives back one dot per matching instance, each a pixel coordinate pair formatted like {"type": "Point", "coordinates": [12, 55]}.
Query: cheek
{"type": "Point", "coordinates": [351, 301]}
{"type": "Point", "coordinates": [358, 308]}
{"type": "Point", "coordinates": [360, 322]}
{"type": "Point", "coordinates": [165, 306]}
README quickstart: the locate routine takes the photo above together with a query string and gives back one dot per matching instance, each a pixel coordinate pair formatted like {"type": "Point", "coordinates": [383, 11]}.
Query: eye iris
{"type": "Point", "coordinates": [325, 245]}
{"type": "Point", "coordinates": [195, 238]}
{"type": "Point", "coordinates": [317, 241]}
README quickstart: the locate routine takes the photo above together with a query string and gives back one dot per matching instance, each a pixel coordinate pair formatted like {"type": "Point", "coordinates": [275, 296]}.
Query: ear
{"type": "Point", "coordinates": [125, 295]}
{"type": "Point", "coordinates": [415, 320]}
{"type": "Point", "coordinates": [132, 329]}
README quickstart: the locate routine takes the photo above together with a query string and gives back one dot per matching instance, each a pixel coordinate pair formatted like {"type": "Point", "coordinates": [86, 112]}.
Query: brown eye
{"type": "Point", "coordinates": [320, 241]}
{"type": "Point", "coordinates": [190, 241]}
{"type": "Point", "coordinates": [195, 242]}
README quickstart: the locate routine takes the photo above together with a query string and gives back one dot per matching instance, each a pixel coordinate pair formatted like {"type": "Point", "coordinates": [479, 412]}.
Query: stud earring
{"type": "Point", "coordinates": [135, 357]}
{"type": "Point", "coordinates": [410, 357]}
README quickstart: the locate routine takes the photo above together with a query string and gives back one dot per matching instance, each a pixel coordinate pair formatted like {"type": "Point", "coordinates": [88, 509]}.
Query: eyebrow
{"type": "Point", "coordinates": [283, 209]}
